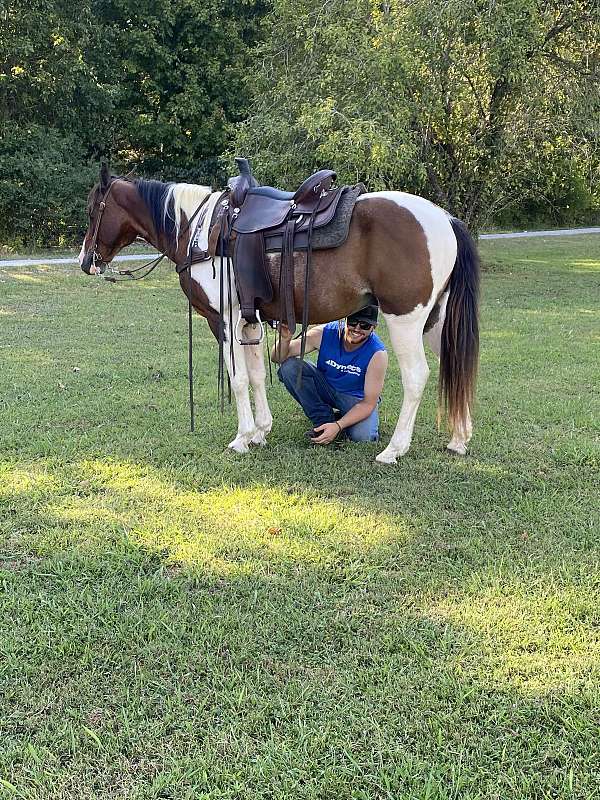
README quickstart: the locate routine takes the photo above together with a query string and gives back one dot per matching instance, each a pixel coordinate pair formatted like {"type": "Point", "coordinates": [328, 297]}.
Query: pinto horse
{"type": "Point", "coordinates": [418, 261]}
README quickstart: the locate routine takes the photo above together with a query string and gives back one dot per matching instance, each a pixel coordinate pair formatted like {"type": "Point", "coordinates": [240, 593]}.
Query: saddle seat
{"type": "Point", "coordinates": [265, 207]}
{"type": "Point", "coordinates": [274, 194]}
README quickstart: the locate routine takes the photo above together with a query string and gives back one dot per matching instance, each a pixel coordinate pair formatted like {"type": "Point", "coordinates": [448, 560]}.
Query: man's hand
{"type": "Point", "coordinates": [328, 433]}
{"type": "Point", "coordinates": [281, 348]}
{"type": "Point", "coordinates": [284, 332]}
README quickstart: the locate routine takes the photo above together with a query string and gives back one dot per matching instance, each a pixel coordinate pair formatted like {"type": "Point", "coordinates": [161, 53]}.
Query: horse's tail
{"type": "Point", "coordinates": [459, 354]}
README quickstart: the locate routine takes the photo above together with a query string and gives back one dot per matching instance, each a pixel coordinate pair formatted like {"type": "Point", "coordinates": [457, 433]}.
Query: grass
{"type": "Point", "coordinates": [183, 622]}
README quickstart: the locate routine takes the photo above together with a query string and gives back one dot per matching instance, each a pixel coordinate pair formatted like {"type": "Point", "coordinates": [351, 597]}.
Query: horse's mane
{"type": "Point", "coordinates": [155, 195]}
{"type": "Point", "coordinates": [167, 202]}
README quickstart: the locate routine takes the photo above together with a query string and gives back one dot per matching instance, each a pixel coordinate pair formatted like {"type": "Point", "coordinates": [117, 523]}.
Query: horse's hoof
{"type": "Point", "coordinates": [259, 438]}
{"type": "Point", "coordinates": [385, 458]}
{"type": "Point", "coordinates": [457, 449]}
{"type": "Point", "coordinates": [238, 446]}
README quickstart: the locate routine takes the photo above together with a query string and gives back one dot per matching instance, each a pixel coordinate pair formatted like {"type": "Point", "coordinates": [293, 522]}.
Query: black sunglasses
{"type": "Point", "coordinates": [364, 326]}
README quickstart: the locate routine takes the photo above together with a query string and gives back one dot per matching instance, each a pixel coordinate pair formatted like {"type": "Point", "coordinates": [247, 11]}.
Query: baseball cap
{"type": "Point", "coordinates": [367, 314]}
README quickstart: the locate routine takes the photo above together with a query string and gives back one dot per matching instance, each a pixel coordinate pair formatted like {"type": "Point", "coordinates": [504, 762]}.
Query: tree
{"type": "Point", "coordinates": [466, 101]}
{"type": "Point", "coordinates": [149, 84]}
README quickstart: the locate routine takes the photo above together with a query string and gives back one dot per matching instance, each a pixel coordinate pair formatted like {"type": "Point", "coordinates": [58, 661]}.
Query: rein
{"type": "Point", "coordinates": [129, 274]}
{"type": "Point", "coordinates": [150, 266]}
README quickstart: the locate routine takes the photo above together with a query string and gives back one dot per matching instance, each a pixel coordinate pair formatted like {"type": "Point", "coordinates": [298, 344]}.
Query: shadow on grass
{"type": "Point", "coordinates": [127, 677]}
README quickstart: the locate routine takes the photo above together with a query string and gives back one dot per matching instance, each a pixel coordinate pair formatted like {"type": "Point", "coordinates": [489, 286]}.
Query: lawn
{"type": "Point", "coordinates": [179, 621]}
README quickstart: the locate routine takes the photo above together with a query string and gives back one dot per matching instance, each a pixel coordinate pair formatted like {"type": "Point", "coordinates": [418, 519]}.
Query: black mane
{"type": "Point", "coordinates": [153, 193]}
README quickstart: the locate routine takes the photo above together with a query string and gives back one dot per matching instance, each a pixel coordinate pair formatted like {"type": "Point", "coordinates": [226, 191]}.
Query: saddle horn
{"type": "Point", "coordinates": [241, 183]}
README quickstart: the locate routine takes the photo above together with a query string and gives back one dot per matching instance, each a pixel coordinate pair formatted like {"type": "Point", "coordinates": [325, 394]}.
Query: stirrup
{"type": "Point", "coordinates": [238, 329]}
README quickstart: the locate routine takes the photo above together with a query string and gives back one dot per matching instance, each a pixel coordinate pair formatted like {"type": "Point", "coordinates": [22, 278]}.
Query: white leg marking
{"type": "Point", "coordinates": [406, 333]}
{"type": "Point", "coordinates": [202, 273]}
{"type": "Point", "coordinates": [239, 386]}
{"type": "Point", "coordinates": [255, 364]}
{"type": "Point", "coordinates": [433, 337]}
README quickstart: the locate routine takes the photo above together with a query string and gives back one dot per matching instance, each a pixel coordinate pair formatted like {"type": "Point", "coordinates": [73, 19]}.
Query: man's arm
{"type": "Point", "coordinates": [374, 380]}
{"type": "Point", "coordinates": [291, 347]}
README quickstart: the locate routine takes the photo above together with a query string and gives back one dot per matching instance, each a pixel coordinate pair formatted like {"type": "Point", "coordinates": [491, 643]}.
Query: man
{"type": "Point", "coordinates": [341, 393]}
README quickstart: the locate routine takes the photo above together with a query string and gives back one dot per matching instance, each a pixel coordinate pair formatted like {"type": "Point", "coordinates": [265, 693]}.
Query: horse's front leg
{"type": "Point", "coordinates": [239, 379]}
{"type": "Point", "coordinates": [257, 373]}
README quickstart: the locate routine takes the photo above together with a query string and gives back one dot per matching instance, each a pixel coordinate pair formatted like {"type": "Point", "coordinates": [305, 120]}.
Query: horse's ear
{"type": "Point", "coordinates": [104, 175]}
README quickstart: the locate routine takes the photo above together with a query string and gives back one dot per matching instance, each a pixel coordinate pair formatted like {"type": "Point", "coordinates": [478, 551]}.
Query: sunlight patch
{"type": "Point", "coordinates": [20, 481]}
{"type": "Point", "coordinates": [229, 525]}
{"type": "Point", "coordinates": [540, 642]}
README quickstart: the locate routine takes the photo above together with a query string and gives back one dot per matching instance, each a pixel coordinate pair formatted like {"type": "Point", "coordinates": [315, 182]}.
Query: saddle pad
{"type": "Point", "coordinates": [331, 235]}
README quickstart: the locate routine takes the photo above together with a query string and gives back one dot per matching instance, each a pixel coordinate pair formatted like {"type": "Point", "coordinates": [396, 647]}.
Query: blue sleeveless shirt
{"type": "Point", "coordinates": [345, 372]}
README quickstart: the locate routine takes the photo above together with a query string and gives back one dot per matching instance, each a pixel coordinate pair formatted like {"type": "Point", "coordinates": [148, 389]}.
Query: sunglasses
{"type": "Point", "coordinates": [364, 326]}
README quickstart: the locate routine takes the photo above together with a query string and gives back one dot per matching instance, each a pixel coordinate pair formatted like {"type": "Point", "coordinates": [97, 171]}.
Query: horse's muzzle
{"type": "Point", "coordinates": [86, 262]}
{"type": "Point", "coordinates": [93, 266]}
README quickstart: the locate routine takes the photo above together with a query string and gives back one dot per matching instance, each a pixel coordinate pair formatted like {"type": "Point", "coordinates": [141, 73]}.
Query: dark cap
{"type": "Point", "coordinates": [367, 314]}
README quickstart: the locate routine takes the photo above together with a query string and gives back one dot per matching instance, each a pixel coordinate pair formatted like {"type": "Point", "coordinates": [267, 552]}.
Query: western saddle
{"type": "Point", "coordinates": [262, 219]}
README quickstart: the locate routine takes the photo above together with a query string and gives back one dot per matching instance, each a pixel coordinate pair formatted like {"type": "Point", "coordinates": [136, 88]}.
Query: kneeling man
{"type": "Point", "coordinates": [342, 392]}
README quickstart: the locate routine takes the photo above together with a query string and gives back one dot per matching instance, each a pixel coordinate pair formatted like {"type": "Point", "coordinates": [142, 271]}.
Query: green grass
{"type": "Point", "coordinates": [183, 622]}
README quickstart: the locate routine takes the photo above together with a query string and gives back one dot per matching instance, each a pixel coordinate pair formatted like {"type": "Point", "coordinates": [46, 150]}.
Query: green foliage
{"type": "Point", "coordinates": [179, 68]}
{"type": "Point", "coordinates": [459, 100]}
{"type": "Point", "coordinates": [489, 107]}
{"type": "Point", "coordinates": [44, 183]}
{"type": "Point", "coordinates": [149, 84]}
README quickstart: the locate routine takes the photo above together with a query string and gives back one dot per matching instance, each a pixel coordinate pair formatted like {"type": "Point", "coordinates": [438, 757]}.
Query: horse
{"type": "Point", "coordinates": [415, 258]}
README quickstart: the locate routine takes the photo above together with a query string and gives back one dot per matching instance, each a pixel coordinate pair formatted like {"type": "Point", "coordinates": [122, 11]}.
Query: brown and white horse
{"type": "Point", "coordinates": [417, 260]}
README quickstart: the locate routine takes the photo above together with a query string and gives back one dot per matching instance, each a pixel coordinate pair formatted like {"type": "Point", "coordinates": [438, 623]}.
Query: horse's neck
{"type": "Point", "coordinates": [176, 251]}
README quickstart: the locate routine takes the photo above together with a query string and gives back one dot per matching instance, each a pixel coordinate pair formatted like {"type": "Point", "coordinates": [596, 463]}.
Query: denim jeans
{"type": "Point", "coordinates": [319, 401]}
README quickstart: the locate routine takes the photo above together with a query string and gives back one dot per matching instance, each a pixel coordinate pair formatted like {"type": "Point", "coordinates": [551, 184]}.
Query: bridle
{"type": "Point", "coordinates": [121, 274]}
{"type": "Point", "coordinates": [96, 257]}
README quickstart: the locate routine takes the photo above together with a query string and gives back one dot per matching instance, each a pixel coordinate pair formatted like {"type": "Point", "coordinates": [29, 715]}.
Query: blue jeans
{"type": "Point", "coordinates": [319, 401]}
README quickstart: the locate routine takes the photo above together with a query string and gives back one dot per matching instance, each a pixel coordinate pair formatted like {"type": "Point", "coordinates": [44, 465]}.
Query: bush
{"type": "Point", "coordinates": [44, 183]}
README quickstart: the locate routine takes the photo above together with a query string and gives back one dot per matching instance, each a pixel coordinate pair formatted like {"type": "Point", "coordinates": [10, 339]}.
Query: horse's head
{"type": "Point", "coordinates": [109, 227]}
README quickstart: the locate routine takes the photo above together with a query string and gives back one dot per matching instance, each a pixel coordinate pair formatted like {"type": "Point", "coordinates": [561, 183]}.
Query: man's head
{"type": "Point", "coordinates": [361, 324]}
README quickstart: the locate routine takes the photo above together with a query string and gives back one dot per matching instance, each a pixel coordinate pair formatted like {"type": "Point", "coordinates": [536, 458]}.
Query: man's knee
{"type": "Point", "coordinates": [288, 369]}
{"type": "Point", "coordinates": [365, 431]}
{"type": "Point", "coordinates": [362, 435]}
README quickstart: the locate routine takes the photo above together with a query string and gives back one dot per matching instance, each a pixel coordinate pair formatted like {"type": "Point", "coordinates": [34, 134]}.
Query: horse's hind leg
{"type": "Point", "coordinates": [433, 337]}
{"type": "Point", "coordinates": [255, 363]}
{"type": "Point", "coordinates": [406, 334]}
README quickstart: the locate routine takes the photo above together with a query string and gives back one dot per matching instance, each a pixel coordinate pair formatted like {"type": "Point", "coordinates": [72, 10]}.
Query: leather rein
{"type": "Point", "coordinates": [130, 274]}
